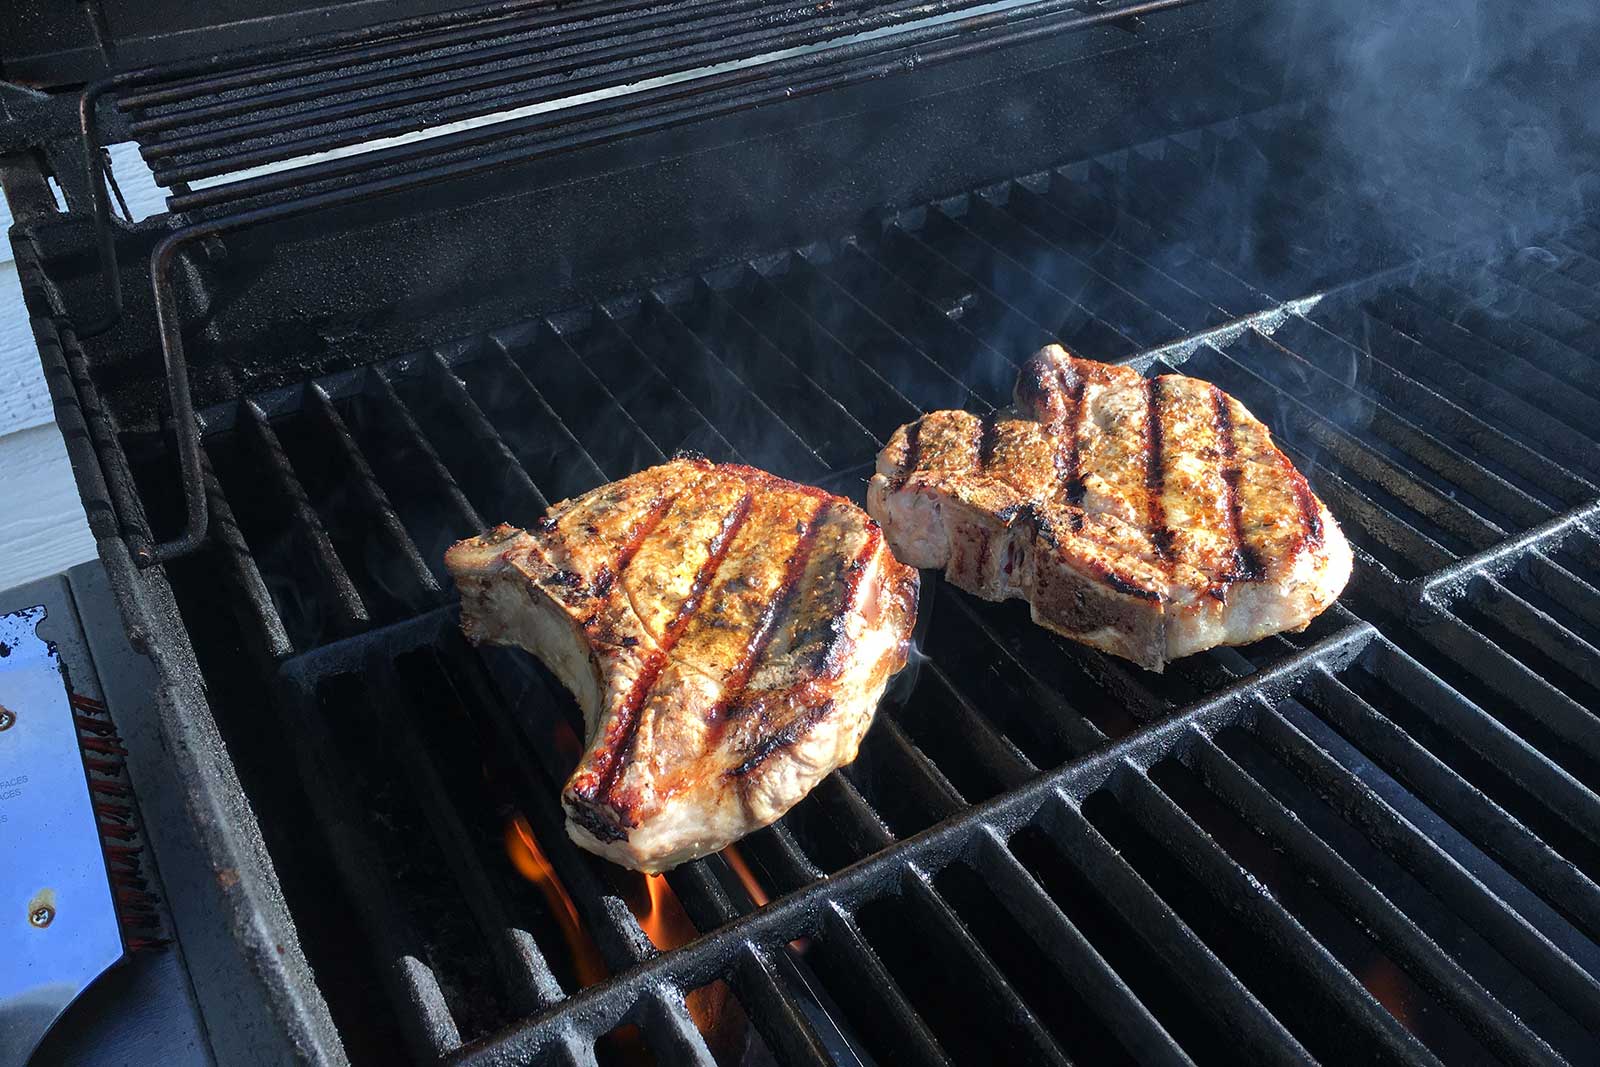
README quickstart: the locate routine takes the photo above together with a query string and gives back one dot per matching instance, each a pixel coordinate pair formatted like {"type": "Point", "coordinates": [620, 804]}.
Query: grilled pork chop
{"type": "Point", "coordinates": [1150, 518]}
{"type": "Point", "coordinates": [727, 634]}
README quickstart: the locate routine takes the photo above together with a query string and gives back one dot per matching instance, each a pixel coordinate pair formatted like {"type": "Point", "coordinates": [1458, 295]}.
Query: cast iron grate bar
{"type": "Point", "coordinates": [1140, 1032]}
{"type": "Point", "coordinates": [420, 589]}
{"type": "Point", "coordinates": [1392, 409]}
{"type": "Point", "coordinates": [1412, 353]}
{"type": "Point", "coordinates": [297, 133]}
{"type": "Point", "coordinates": [1262, 1037]}
{"type": "Point", "coordinates": [1531, 706]}
{"type": "Point", "coordinates": [743, 416]}
{"type": "Point", "coordinates": [893, 847]}
{"type": "Point", "coordinates": [1074, 195]}
{"type": "Point", "coordinates": [949, 938]}
{"type": "Point", "coordinates": [423, 1013]}
{"type": "Point", "coordinates": [516, 954]}
{"type": "Point", "coordinates": [1376, 1034]}
{"type": "Point", "coordinates": [272, 638]}
{"type": "Point", "coordinates": [1424, 455]}
{"type": "Point", "coordinates": [471, 448]}
{"type": "Point", "coordinates": [1137, 275]}
{"type": "Point", "coordinates": [408, 467]}
{"type": "Point", "coordinates": [1574, 989]}
{"type": "Point", "coordinates": [873, 987]}
{"type": "Point", "coordinates": [541, 443]}
{"type": "Point", "coordinates": [604, 427]}
{"type": "Point", "coordinates": [349, 611]}
{"type": "Point", "coordinates": [1298, 424]}
{"type": "Point", "coordinates": [617, 934]}
{"type": "Point", "coordinates": [204, 116]}
{"type": "Point", "coordinates": [784, 322]}
{"type": "Point", "coordinates": [1375, 377]}
{"type": "Point", "coordinates": [1506, 1035]}
{"type": "Point", "coordinates": [654, 400]}
{"type": "Point", "coordinates": [1571, 812]}
{"type": "Point", "coordinates": [924, 353]}
{"type": "Point", "coordinates": [832, 433]}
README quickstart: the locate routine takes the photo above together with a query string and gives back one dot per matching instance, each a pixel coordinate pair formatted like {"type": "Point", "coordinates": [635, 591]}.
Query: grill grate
{"type": "Point", "coordinates": [1379, 838]}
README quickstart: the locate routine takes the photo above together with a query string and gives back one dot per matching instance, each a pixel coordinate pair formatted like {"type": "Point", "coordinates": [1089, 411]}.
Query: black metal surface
{"type": "Point", "coordinates": [1376, 840]}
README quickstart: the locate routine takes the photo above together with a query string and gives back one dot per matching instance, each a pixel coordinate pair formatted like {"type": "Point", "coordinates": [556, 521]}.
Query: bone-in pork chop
{"type": "Point", "coordinates": [726, 633]}
{"type": "Point", "coordinates": [1151, 518]}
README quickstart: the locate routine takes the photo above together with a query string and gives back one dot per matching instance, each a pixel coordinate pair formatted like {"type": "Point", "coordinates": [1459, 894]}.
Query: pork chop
{"type": "Point", "coordinates": [726, 633]}
{"type": "Point", "coordinates": [1150, 518]}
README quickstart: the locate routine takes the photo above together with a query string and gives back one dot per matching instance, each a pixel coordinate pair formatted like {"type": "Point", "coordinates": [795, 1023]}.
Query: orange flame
{"type": "Point", "coordinates": [752, 885]}
{"type": "Point", "coordinates": [661, 916]}
{"type": "Point", "coordinates": [1389, 985]}
{"type": "Point", "coordinates": [529, 860]}
{"type": "Point", "coordinates": [746, 876]}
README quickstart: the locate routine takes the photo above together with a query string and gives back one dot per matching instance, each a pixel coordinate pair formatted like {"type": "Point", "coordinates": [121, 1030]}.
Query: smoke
{"type": "Point", "coordinates": [1446, 122]}
{"type": "Point", "coordinates": [1411, 141]}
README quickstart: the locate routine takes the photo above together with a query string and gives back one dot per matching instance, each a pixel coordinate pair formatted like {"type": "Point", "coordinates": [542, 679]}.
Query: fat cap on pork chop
{"type": "Point", "coordinates": [727, 634]}
{"type": "Point", "coordinates": [1150, 518]}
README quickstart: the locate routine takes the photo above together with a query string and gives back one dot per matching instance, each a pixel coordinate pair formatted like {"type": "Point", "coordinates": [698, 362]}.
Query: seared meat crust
{"type": "Point", "coordinates": [1150, 518]}
{"type": "Point", "coordinates": [727, 633]}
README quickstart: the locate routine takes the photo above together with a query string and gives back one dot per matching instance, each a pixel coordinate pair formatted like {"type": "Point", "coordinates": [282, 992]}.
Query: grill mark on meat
{"type": "Point", "coordinates": [625, 726]}
{"type": "Point", "coordinates": [988, 435]}
{"type": "Point", "coordinates": [606, 575]}
{"type": "Point", "coordinates": [1154, 475]}
{"type": "Point", "coordinates": [771, 481]}
{"type": "Point", "coordinates": [838, 646]}
{"type": "Point", "coordinates": [1310, 513]}
{"type": "Point", "coordinates": [786, 736]}
{"type": "Point", "coordinates": [913, 454]}
{"type": "Point", "coordinates": [1246, 564]}
{"type": "Point", "coordinates": [591, 821]}
{"type": "Point", "coordinates": [761, 636]}
{"type": "Point", "coordinates": [1121, 583]}
{"type": "Point", "coordinates": [1068, 460]}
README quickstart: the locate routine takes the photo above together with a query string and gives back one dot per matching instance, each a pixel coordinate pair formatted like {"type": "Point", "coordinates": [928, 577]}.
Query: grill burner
{"type": "Point", "coordinates": [1378, 839]}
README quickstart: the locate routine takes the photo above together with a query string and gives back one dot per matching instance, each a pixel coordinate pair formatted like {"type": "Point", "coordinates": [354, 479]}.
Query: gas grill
{"type": "Point", "coordinates": [524, 249]}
